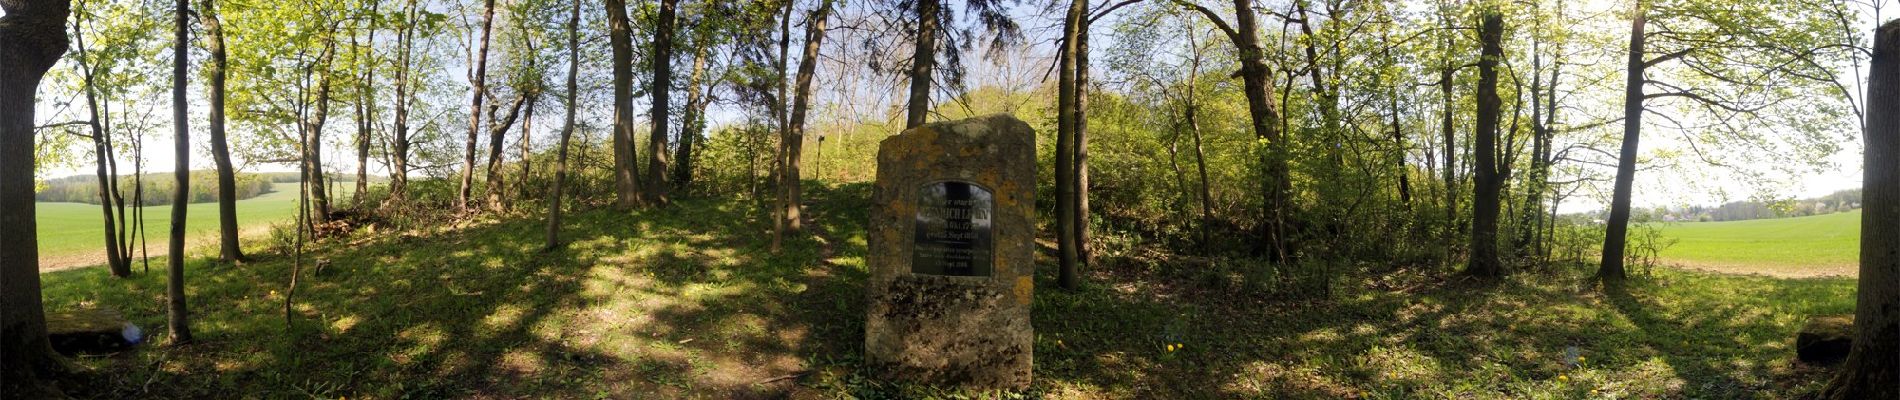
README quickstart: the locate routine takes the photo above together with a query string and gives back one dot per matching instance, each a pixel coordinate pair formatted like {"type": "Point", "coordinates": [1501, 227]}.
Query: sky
{"type": "Point", "coordinates": [1698, 185]}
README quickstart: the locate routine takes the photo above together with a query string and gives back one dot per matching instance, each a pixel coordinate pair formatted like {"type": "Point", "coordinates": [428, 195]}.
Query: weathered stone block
{"type": "Point", "coordinates": [952, 236]}
{"type": "Point", "coordinates": [1825, 339]}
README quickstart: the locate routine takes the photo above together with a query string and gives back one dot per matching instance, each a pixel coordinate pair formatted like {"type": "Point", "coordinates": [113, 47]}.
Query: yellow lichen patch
{"type": "Point", "coordinates": [1024, 286]}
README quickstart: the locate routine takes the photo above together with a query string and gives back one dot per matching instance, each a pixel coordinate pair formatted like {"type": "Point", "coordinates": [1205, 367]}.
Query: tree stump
{"type": "Point", "coordinates": [90, 331]}
{"type": "Point", "coordinates": [1825, 339]}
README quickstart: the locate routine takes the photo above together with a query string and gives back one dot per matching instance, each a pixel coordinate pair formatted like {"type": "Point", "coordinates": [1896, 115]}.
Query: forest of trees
{"type": "Point", "coordinates": [1309, 137]}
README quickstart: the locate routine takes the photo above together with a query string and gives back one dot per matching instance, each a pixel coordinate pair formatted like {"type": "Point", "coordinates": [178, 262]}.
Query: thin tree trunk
{"type": "Point", "coordinates": [32, 38]}
{"type": "Point", "coordinates": [527, 149]}
{"type": "Point", "coordinates": [313, 151]}
{"type": "Point", "coordinates": [693, 122]}
{"type": "Point", "coordinates": [365, 112]}
{"type": "Point", "coordinates": [626, 171]}
{"type": "Point", "coordinates": [795, 139]}
{"type": "Point", "coordinates": [1873, 365]}
{"type": "Point", "coordinates": [399, 141]}
{"type": "Point", "coordinates": [476, 91]}
{"type": "Point", "coordinates": [497, 136]}
{"type": "Point", "coordinates": [1446, 126]}
{"type": "Point", "coordinates": [1068, 275]}
{"type": "Point", "coordinates": [1611, 270]}
{"type": "Point", "coordinates": [177, 317]}
{"type": "Point", "coordinates": [567, 128]}
{"type": "Point", "coordinates": [780, 111]}
{"type": "Point", "coordinates": [1082, 253]}
{"type": "Point", "coordinates": [102, 150]}
{"type": "Point", "coordinates": [923, 62]}
{"type": "Point", "coordinates": [1484, 261]}
{"type": "Point", "coordinates": [662, 85]}
{"type": "Point", "coordinates": [229, 250]}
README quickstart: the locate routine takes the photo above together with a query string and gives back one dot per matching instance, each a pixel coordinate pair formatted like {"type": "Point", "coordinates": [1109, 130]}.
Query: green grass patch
{"type": "Point", "coordinates": [1799, 246]}
{"type": "Point", "coordinates": [687, 302]}
{"type": "Point", "coordinates": [75, 232]}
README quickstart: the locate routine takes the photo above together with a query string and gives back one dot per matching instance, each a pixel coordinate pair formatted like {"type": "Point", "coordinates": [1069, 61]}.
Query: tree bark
{"type": "Point", "coordinates": [1484, 261]}
{"type": "Point", "coordinates": [365, 111]}
{"type": "Point", "coordinates": [1082, 253]}
{"type": "Point", "coordinates": [1067, 111]}
{"type": "Point", "coordinates": [116, 259]}
{"type": "Point", "coordinates": [693, 122]}
{"type": "Point", "coordinates": [399, 141]}
{"type": "Point", "coordinates": [1611, 269]}
{"type": "Point", "coordinates": [313, 150]}
{"type": "Point", "coordinates": [567, 128]}
{"type": "Point", "coordinates": [662, 84]}
{"type": "Point", "coordinates": [781, 112]}
{"type": "Point", "coordinates": [1449, 130]}
{"type": "Point", "coordinates": [1872, 370]}
{"type": "Point", "coordinates": [626, 171]}
{"type": "Point", "coordinates": [32, 38]}
{"type": "Point", "coordinates": [923, 62]}
{"type": "Point", "coordinates": [497, 136]}
{"type": "Point", "coordinates": [177, 316]}
{"type": "Point", "coordinates": [477, 89]}
{"type": "Point", "coordinates": [795, 139]}
{"type": "Point", "coordinates": [228, 248]}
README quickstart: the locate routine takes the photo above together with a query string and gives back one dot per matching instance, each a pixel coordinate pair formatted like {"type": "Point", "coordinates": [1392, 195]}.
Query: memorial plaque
{"type": "Point", "coordinates": [953, 230]}
{"type": "Point", "coordinates": [952, 251]}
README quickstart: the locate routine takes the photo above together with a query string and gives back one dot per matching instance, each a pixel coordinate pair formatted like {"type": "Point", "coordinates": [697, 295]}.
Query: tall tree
{"type": "Point", "coordinates": [1067, 112]}
{"type": "Point", "coordinates": [116, 257]}
{"type": "Point", "coordinates": [215, 69]}
{"type": "Point", "coordinates": [477, 90]}
{"type": "Point", "coordinates": [1611, 267]}
{"type": "Point", "coordinates": [32, 38]}
{"type": "Point", "coordinates": [626, 170]}
{"type": "Point", "coordinates": [693, 122]}
{"type": "Point", "coordinates": [1257, 83]}
{"type": "Point", "coordinates": [801, 103]}
{"type": "Point", "coordinates": [365, 105]}
{"type": "Point", "coordinates": [923, 61]}
{"type": "Point", "coordinates": [177, 317]}
{"type": "Point", "coordinates": [656, 193]}
{"type": "Point", "coordinates": [1873, 363]}
{"type": "Point", "coordinates": [567, 128]}
{"type": "Point", "coordinates": [399, 138]}
{"type": "Point", "coordinates": [1487, 181]}
{"type": "Point", "coordinates": [321, 69]}
{"type": "Point", "coordinates": [497, 136]}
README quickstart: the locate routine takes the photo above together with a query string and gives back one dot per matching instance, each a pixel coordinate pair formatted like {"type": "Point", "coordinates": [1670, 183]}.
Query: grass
{"type": "Point", "coordinates": [1826, 244]}
{"type": "Point", "coordinates": [73, 233]}
{"type": "Point", "coordinates": [686, 302]}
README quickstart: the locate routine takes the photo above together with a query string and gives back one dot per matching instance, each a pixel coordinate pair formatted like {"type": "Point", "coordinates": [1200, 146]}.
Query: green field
{"type": "Point", "coordinates": [1801, 246]}
{"type": "Point", "coordinates": [72, 234]}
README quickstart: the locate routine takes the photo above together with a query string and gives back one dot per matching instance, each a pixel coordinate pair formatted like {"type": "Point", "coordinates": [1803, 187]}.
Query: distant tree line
{"type": "Point", "coordinates": [204, 188]}
{"type": "Point", "coordinates": [1841, 201]}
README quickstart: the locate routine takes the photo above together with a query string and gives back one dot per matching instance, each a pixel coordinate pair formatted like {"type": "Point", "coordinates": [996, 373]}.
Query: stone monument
{"type": "Point", "coordinates": [952, 236]}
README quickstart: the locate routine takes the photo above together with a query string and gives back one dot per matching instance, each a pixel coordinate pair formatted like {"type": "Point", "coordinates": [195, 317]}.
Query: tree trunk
{"type": "Point", "coordinates": [176, 315]}
{"type": "Point", "coordinates": [1449, 130]}
{"type": "Point", "coordinates": [102, 150]}
{"type": "Point", "coordinates": [567, 128]}
{"type": "Point", "coordinates": [1066, 112]}
{"type": "Point", "coordinates": [662, 84]}
{"type": "Point", "coordinates": [1484, 260]}
{"type": "Point", "coordinates": [527, 148]}
{"type": "Point", "coordinates": [781, 112]}
{"type": "Point", "coordinates": [1873, 365]}
{"type": "Point", "coordinates": [626, 171]}
{"type": "Point", "coordinates": [399, 141]}
{"type": "Point", "coordinates": [498, 135]}
{"type": "Point", "coordinates": [923, 62]}
{"type": "Point", "coordinates": [1611, 270]}
{"type": "Point", "coordinates": [1194, 128]}
{"type": "Point", "coordinates": [313, 151]}
{"type": "Point", "coordinates": [795, 140]}
{"type": "Point", "coordinates": [32, 38]}
{"type": "Point", "coordinates": [476, 90]}
{"type": "Point", "coordinates": [1082, 253]}
{"type": "Point", "coordinates": [693, 122]}
{"type": "Point", "coordinates": [365, 112]}
{"type": "Point", "coordinates": [228, 249]}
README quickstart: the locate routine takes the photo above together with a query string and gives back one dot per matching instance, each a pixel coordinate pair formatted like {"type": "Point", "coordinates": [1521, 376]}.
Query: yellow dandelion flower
{"type": "Point", "coordinates": [1563, 378]}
